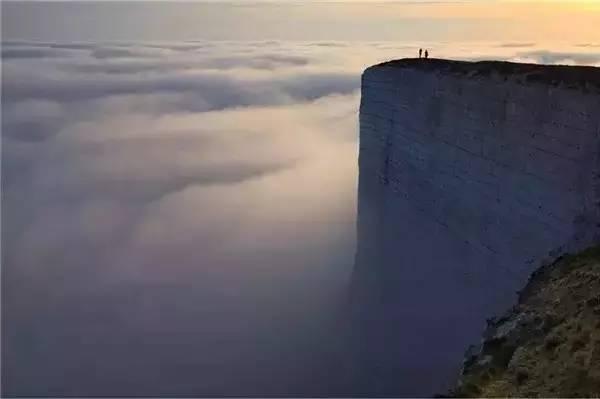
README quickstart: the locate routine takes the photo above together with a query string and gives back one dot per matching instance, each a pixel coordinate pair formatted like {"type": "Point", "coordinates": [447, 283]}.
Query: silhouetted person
{"type": "Point", "coordinates": [420, 52]}
{"type": "Point", "coordinates": [426, 53]}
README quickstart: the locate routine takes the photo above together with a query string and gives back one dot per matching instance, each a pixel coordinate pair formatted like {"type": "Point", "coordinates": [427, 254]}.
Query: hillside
{"type": "Point", "coordinates": [548, 345]}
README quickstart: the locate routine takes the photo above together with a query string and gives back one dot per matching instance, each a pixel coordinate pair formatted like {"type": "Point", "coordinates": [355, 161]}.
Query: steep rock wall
{"type": "Point", "coordinates": [471, 175]}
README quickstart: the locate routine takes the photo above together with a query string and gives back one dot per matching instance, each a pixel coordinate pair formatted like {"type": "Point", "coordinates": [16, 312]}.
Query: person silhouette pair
{"type": "Point", "coordinates": [421, 53]}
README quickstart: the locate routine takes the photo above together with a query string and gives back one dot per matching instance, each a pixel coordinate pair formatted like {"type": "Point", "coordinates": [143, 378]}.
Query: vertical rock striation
{"type": "Point", "coordinates": [471, 176]}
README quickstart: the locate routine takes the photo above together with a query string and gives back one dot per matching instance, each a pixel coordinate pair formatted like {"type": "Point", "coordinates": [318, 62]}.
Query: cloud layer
{"type": "Point", "coordinates": [166, 210]}
{"type": "Point", "coordinates": [178, 218]}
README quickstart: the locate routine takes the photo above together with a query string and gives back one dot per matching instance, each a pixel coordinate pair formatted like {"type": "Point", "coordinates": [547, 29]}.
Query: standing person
{"type": "Point", "coordinates": [420, 52]}
{"type": "Point", "coordinates": [426, 53]}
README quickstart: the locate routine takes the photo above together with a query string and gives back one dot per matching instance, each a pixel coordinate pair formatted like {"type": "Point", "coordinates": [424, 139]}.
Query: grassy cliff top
{"type": "Point", "coordinates": [548, 345]}
{"type": "Point", "coordinates": [580, 77]}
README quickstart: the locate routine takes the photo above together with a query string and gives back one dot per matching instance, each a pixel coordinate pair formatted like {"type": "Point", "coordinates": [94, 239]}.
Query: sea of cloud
{"type": "Point", "coordinates": [178, 218]}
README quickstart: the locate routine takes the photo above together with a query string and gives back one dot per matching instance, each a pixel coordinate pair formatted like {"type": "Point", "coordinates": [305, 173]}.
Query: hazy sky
{"type": "Point", "coordinates": [398, 21]}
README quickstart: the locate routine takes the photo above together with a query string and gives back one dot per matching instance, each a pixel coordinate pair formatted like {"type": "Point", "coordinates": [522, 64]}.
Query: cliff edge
{"type": "Point", "coordinates": [471, 176]}
{"type": "Point", "coordinates": [575, 77]}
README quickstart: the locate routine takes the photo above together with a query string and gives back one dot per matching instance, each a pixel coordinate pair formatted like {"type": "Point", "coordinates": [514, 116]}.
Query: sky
{"type": "Point", "coordinates": [179, 181]}
{"type": "Point", "coordinates": [280, 20]}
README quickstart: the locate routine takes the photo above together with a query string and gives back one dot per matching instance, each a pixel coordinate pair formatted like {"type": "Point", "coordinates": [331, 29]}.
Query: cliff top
{"type": "Point", "coordinates": [581, 77]}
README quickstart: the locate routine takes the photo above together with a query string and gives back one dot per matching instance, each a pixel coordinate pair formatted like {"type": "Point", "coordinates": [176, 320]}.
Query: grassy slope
{"type": "Point", "coordinates": [549, 344]}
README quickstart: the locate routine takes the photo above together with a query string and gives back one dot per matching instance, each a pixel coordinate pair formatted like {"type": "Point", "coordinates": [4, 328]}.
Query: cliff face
{"type": "Point", "coordinates": [471, 176]}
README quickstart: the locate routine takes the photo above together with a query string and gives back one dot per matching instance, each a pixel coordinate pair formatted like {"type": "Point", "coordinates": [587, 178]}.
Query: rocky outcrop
{"type": "Point", "coordinates": [471, 175]}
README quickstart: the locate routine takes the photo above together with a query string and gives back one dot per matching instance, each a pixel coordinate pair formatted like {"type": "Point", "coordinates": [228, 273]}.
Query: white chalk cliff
{"type": "Point", "coordinates": [471, 176]}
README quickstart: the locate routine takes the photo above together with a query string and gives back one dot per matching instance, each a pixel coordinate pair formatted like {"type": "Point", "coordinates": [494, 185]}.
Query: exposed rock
{"type": "Point", "coordinates": [470, 174]}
